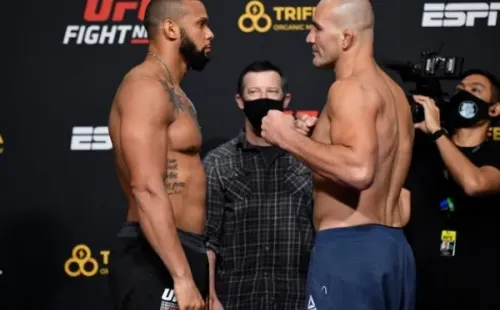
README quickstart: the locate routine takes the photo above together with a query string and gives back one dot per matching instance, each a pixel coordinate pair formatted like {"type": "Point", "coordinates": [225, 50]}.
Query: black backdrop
{"type": "Point", "coordinates": [58, 184]}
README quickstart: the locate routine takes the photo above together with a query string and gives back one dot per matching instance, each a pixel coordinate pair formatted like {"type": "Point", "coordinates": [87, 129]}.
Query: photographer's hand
{"type": "Point", "coordinates": [432, 122]}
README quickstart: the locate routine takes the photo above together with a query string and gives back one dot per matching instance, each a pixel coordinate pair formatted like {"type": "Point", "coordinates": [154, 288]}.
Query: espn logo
{"type": "Point", "coordinates": [90, 139]}
{"type": "Point", "coordinates": [459, 14]}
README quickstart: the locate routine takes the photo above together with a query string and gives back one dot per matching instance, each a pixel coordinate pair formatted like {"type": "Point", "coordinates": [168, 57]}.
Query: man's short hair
{"type": "Point", "coordinates": [495, 83]}
{"type": "Point", "coordinates": [158, 11]}
{"type": "Point", "coordinates": [261, 66]}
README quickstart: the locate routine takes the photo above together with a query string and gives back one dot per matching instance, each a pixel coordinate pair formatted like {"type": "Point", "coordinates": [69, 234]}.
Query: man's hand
{"type": "Point", "coordinates": [188, 296]}
{"type": "Point", "coordinates": [215, 303]}
{"type": "Point", "coordinates": [305, 123]}
{"type": "Point", "coordinates": [277, 127]}
{"type": "Point", "coordinates": [432, 121]}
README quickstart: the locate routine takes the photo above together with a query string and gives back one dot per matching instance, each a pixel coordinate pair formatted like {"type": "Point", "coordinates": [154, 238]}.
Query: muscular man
{"type": "Point", "coordinates": [360, 152]}
{"type": "Point", "coordinates": [159, 259]}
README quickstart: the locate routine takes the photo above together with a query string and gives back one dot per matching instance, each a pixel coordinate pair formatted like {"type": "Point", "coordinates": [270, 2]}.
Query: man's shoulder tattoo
{"type": "Point", "coordinates": [193, 114]}
{"type": "Point", "coordinates": [174, 98]}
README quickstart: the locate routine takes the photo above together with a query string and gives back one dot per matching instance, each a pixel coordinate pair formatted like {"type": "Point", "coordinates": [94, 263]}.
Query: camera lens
{"type": "Point", "coordinates": [417, 111]}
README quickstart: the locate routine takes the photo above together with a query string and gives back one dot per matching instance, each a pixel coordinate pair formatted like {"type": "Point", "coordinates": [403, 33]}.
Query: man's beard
{"type": "Point", "coordinates": [195, 59]}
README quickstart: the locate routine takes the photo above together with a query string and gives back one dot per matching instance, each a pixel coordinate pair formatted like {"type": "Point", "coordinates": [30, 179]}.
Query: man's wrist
{"type": "Point", "coordinates": [436, 134]}
{"type": "Point", "coordinates": [182, 276]}
{"type": "Point", "coordinates": [288, 140]}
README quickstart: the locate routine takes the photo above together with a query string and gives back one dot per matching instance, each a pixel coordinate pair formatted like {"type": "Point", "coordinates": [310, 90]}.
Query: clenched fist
{"type": "Point", "coordinates": [277, 127]}
{"type": "Point", "coordinates": [305, 123]}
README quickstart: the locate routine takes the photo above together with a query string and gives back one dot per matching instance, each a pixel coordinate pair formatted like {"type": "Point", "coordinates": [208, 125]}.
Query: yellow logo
{"type": "Point", "coordinates": [82, 262]}
{"type": "Point", "coordinates": [255, 13]}
{"type": "Point", "coordinates": [494, 133]}
{"type": "Point", "coordinates": [286, 18]}
{"type": "Point", "coordinates": [1, 144]}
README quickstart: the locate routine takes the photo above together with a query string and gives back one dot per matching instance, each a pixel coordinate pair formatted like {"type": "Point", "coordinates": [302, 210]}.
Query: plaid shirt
{"type": "Point", "coordinates": [259, 223]}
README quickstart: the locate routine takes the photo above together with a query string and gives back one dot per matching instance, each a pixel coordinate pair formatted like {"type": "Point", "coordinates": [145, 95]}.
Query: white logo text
{"type": "Point", "coordinates": [91, 139]}
{"type": "Point", "coordinates": [459, 14]}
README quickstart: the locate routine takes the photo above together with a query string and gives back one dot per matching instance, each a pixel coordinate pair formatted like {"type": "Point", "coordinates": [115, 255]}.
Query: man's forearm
{"type": "Point", "coordinates": [157, 222]}
{"type": "Point", "coordinates": [337, 163]}
{"type": "Point", "coordinates": [211, 270]}
{"type": "Point", "coordinates": [463, 171]}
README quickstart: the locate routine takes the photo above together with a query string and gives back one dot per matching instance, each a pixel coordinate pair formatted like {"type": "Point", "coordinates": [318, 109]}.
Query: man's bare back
{"type": "Point", "coordinates": [340, 205]}
{"type": "Point", "coordinates": [183, 172]}
{"type": "Point", "coordinates": [359, 152]}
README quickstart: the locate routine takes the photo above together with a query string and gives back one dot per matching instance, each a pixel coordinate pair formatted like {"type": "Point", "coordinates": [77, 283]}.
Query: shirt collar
{"type": "Point", "coordinates": [243, 143]}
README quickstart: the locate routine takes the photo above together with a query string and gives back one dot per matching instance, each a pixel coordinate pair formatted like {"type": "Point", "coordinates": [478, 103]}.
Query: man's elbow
{"type": "Point", "coordinates": [363, 176]}
{"type": "Point", "coordinates": [473, 187]}
{"type": "Point", "coordinates": [144, 192]}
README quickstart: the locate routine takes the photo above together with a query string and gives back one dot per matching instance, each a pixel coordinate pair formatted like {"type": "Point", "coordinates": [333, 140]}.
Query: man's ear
{"type": "Point", "coordinates": [286, 100]}
{"type": "Point", "coordinates": [239, 101]}
{"type": "Point", "coordinates": [347, 39]}
{"type": "Point", "coordinates": [171, 30]}
{"type": "Point", "coordinates": [494, 110]}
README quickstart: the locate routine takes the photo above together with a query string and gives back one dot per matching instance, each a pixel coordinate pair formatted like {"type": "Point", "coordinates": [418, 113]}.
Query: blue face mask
{"type": "Point", "coordinates": [466, 110]}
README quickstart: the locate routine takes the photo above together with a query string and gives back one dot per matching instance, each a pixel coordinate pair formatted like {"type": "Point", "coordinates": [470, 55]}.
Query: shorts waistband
{"type": "Point", "coordinates": [195, 241]}
{"type": "Point", "coordinates": [330, 234]}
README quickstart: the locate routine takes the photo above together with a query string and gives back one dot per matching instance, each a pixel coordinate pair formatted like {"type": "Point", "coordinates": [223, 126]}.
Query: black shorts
{"type": "Point", "coordinates": [138, 278]}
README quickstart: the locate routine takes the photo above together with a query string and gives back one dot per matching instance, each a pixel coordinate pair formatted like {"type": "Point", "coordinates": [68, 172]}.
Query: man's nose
{"type": "Point", "coordinates": [210, 34]}
{"type": "Point", "coordinates": [310, 37]}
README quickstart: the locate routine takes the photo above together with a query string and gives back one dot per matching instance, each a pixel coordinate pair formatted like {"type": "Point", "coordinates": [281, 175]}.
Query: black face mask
{"type": "Point", "coordinates": [255, 111]}
{"type": "Point", "coordinates": [466, 110]}
{"type": "Point", "coordinates": [195, 59]}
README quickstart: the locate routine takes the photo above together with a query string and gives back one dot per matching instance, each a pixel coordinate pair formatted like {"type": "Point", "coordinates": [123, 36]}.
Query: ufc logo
{"type": "Point", "coordinates": [459, 14]}
{"type": "Point", "coordinates": [103, 10]}
{"type": "Point", "coordinates": [90, 139]}
{"type": "Point", "coordinates": [169, 295]}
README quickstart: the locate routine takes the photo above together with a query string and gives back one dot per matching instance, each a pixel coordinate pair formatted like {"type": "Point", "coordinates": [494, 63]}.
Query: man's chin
{"type": "Point", "coordinates": [199, 67]}
{"type": "Point", "coordinates": [321, 65]}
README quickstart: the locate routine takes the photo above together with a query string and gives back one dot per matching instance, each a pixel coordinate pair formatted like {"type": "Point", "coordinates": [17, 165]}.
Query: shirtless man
{"type": "Point", "coordinates": [159, 257]}
{"type": "Point", "coordinates": [360, 152]}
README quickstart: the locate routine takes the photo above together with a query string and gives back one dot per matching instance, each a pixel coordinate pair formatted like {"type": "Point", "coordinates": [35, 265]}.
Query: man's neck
{"type": "Point", "coordinates": [252, 138]}
{"type": "Point", "coordinates": [470, 137]}
{"type": "Point", "coordinates": [171, 57]}
{"type": "Point", "coordinates": [353, 61]}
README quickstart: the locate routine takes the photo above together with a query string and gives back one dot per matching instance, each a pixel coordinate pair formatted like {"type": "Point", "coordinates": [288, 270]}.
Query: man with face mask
{"type": "Point", "coordinates": [159, 258]}
{"type": "Point", "coordinates": [453, 231]}
{"type": "Point", "coordinates": [259, 226]}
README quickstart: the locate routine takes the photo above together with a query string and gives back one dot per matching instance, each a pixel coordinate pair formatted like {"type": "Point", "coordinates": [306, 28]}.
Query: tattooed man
{"type": "Point", "coordinates": [159, 257]}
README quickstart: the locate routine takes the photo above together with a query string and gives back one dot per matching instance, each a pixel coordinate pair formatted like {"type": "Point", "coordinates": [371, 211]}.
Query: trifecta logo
{"type": "Point", "coordinates": [90, 138]}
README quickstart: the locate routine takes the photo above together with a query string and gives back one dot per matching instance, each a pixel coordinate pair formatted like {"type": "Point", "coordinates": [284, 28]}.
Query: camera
{"type": "Point", "coordinates": [427, 75]}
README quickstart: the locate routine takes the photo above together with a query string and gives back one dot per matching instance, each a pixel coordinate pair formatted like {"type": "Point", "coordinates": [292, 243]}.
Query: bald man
{"type": "Point", "coordinates": [360, 152]}
{"type": "Point", "coordinates": [159, 259]}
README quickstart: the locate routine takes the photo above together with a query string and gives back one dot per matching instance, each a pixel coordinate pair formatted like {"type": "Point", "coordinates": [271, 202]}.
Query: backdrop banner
{"type": "Point", "coordinates": [61, 202]}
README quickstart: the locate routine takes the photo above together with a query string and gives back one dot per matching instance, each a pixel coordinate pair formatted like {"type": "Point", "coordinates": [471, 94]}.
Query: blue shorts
{"type": "Point", "coordinates": [366, 267]}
